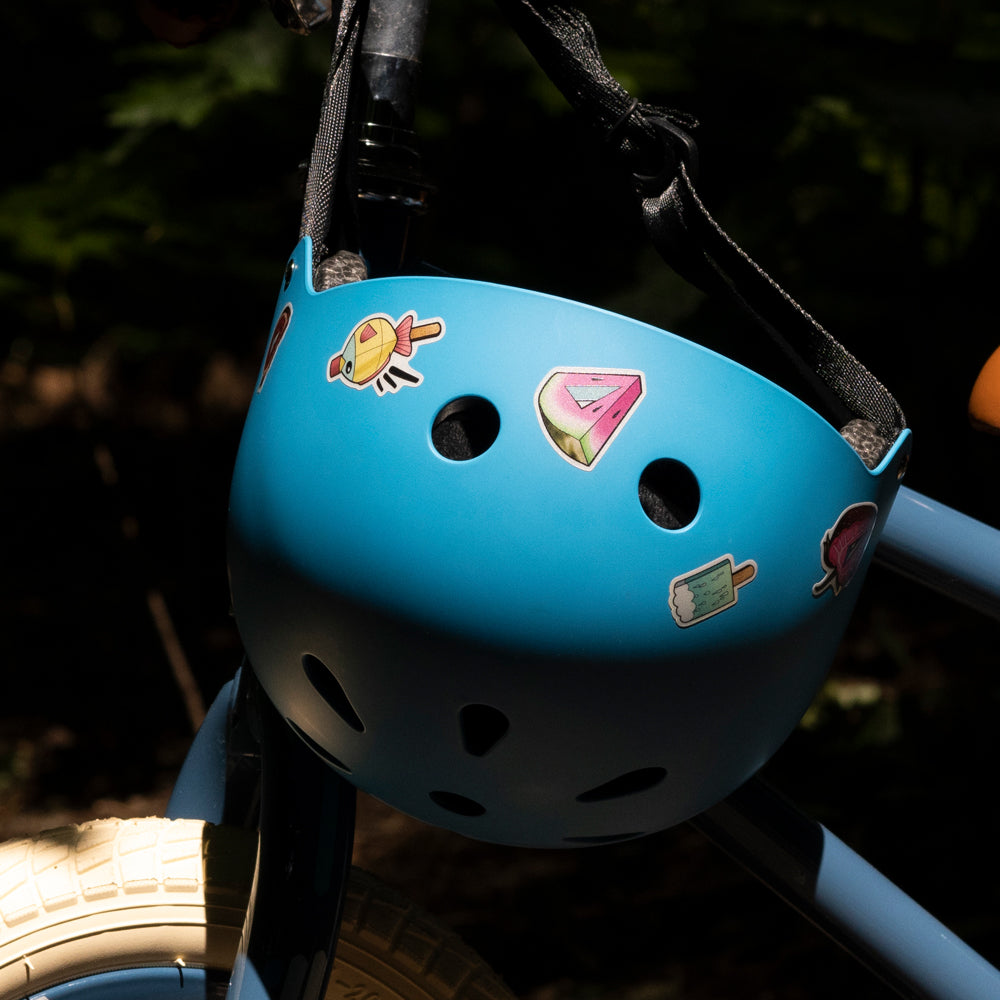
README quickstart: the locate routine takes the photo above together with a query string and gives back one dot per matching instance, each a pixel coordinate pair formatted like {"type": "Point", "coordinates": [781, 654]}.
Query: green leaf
{"type": "Point", "coordinates": [194, 83]}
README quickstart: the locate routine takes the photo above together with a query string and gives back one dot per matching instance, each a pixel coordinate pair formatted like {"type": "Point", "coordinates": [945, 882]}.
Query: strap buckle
{"type": "Point", "coordinates": [677, 148]}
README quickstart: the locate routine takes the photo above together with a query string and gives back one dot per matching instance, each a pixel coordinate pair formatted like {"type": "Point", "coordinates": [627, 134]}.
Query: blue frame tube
{"type": "Point", "coordinates": [845, 897]}
{"type": "Point", "coordinates": [944, 550]}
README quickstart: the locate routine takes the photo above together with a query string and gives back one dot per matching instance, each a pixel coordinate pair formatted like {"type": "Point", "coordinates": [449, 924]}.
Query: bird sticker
{"type": "Point", "coordinates": [379, 349]}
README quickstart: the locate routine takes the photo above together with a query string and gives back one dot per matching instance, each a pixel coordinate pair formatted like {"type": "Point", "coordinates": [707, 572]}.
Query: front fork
{"type": "Point", "coordinates": [246, 767]}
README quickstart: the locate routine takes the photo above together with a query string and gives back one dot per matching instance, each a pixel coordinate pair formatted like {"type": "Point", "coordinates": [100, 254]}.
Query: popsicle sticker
{"type": "Point", "coordinates": [843, 547]}
{"type": "Point", "coordinates": [377, 352]}
{"type": "Point", "coordinates": [582, 410]}
{"type": "Point", "coordinates": [709, 589]}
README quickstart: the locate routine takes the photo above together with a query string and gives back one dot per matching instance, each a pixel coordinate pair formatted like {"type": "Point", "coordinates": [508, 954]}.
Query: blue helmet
{"type": "Point", "coordinates": [536, 572]}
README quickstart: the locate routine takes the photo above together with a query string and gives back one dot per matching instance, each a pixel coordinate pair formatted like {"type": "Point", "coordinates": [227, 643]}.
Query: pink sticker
{"type": "Point", "coordinates": [582, 410]}
{"type": "Point", "coordinates": [843, 547]}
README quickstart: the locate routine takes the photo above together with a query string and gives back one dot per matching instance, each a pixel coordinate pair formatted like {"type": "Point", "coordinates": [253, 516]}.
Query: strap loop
{"type": "Point", "coordinates": [612, 136]}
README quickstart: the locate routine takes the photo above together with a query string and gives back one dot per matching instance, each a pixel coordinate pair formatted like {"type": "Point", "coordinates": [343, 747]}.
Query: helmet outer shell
{"type": "Point", "coordinates": [508, 645]}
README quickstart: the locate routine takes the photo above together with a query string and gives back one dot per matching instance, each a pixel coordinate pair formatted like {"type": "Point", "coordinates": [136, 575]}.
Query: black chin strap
{"type": "Point", "coordinates": [654, 146]}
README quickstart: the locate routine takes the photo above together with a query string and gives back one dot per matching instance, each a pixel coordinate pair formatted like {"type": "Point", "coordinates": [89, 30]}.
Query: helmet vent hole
{"type": "Point", "coordinates": [625, 784]}
{"type": "Point", "coordinates": [669, 494]}
{"type": "Point", "coordinates": [465, 428]}
{"type": "Point", "coordinates": [457, 804]}
{"type": "Point", "coordinates": [330, 690]}
{"type": "Point", "coordinates": [482, 727]}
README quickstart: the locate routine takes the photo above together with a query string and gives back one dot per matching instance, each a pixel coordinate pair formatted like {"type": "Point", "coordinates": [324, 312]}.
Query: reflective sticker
{"type": "Point", "coordinates": [709, 589]}
{"type": "Point", "coordinates": [581, 410]}
{"type": "Point", "coordinates": [378, 350]}
{"type": "Point", "coordinates": [277, 336]}
{"type": "Point", "coordinates": [843, 547]}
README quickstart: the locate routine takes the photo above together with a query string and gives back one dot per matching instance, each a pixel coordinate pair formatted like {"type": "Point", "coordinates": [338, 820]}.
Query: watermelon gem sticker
{"type": "Point", "coordinates": [378, 351]}
{"type": "Point", "coordinates": [843, 547]}
{"type": "Point", "coordinates": [581, 410]}
{"type": "Point", "coordinates": [709, 589]}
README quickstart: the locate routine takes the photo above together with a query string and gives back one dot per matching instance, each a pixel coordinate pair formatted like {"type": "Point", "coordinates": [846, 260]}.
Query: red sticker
{"type": "Point", "coordinates": [277, 336]}
{"type": "Point", "coordinates": [843, 547]}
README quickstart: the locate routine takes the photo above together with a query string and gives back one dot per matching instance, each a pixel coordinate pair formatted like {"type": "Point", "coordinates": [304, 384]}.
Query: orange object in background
{"type": "Point", "coordinates": [984, 403]}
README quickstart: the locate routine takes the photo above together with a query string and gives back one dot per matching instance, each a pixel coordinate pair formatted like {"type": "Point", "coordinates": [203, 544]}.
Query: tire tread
{"type": "Point", "coordinates": [112, 893]}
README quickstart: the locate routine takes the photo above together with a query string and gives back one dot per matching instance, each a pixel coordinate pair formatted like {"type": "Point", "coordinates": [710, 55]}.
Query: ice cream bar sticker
{"type": "Point", "coordinates": [706, 591]}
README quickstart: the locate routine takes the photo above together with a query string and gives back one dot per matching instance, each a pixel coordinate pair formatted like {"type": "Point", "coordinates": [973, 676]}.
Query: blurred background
{"type": "Point", "coordinates": [150, 194]}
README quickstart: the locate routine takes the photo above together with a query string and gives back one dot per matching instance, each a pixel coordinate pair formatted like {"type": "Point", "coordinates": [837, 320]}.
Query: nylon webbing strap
{"type": "Point", "coordinates": [325, 162]}
{"type": "Point", "coordinates": [694, 244]}
{"type": "Point", "coordinates": [654, 147]}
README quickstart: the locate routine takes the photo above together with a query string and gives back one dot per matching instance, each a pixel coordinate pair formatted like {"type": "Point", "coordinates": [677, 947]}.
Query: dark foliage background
{"type": "Point", "coordinates": [149, 197]}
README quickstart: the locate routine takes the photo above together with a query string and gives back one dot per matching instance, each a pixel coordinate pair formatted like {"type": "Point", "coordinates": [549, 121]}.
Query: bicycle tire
{"type": "Point", "coordinates": [91, 899]}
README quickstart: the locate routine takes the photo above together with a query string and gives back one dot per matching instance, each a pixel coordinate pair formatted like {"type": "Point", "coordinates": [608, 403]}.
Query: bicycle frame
{"type": "Point", "coordinates": [798, 858]}
{"type": "Point", "coordinates": [289, 935]}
